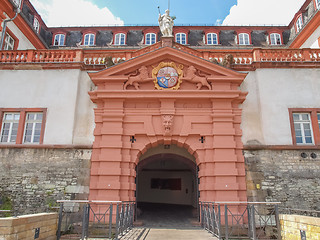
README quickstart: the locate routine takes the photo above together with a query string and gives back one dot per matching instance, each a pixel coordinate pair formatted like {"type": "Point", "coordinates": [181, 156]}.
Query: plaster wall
{"type": "Point", "coordinates": [271, 92]}
{"type": "Point", "coordinates": [312, 41]}
{"type": "Point", "coordinates": [62, 92]}
{"type": "Point", "coordinates": [24, 43]}
{"type": "Point", "coordinates": [184, 196]}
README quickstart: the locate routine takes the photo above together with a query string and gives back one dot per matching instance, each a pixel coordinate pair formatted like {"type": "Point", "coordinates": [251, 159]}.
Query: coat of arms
{"type": "Point", "coordinates": [167, 75]}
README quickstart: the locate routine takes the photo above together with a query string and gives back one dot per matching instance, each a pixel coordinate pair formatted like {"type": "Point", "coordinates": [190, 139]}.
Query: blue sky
{"type": "Point", "coordinates": [186, 12]}
{"type": "Point", "coordinates": [145, 12]}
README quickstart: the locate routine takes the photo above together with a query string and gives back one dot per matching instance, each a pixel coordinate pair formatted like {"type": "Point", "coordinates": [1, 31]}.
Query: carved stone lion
{"type": "Point", "coordinates": [134, 80]}
{"type": "Point", "coordinates": [200, 81]}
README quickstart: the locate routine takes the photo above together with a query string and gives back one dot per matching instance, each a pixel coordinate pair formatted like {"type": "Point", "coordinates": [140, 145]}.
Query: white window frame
{"type": "Point", "coordinates": [10, 122]}
{"type": "Point", "coordinates": [120, 39]}
{"type": "Point", "coordinates": [244, 39]}
{"type": "Point", "coordinates": [88, 39]}
{"type": "Point", "coordinates": [274, 37]}
{"type": "Point", "coordinates": [33, 122]}
{"type": "Point", "coordinates": [318, 115]}
{"type": "Point", "coordinates": [299, 23]}
{"type": "Point", "coordinates": [59, 39]}
{"type": "Point", "coordinates": [181, 38]}
{"type": "Point", "coordinates": [212, 39]}
{"type": "Point", "coordinates": [151, 38]}
{"type": "Point", "coordinates": [302, 122]}
{"type": "Point", "coordinates": [7, 44]}
{"type": "Point", "coordinates": [36, 25]}
{"type": "Point", "coordinates": [318, 4]}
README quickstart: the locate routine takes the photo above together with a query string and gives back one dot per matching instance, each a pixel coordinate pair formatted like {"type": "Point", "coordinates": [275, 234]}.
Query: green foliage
{"type": "Point", "coordinates": [6, 204]}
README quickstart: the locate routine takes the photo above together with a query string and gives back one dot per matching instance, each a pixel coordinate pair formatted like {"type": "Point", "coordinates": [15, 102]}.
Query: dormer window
{"type": "Point", "coordinates": [244, 39]}
{"type": "Point", "coordinates": [88, 39]}
{"type": "Point", "coordinates": [181, 38]}
{"type": "Point", "coordinates": [59, 40]}
{"type": "Point", "coordinates": [299, 24]}
{"type": "Point", "coordinates": [212, 39]}
{"type": "Point", "coordinates": [120, 39]}
{"type": "Point", "coordinates": [318, 4]}
{"type": "Point", "coordinates": [275, 39]}
{"type": "Point", "coordinates": [36, 25]}
{"type": "Point", "coordinates": [150, 38]}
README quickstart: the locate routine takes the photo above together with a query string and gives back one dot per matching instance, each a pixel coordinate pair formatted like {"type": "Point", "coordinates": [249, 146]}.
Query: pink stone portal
{"type": "Point", "coordinates": [181, 117]}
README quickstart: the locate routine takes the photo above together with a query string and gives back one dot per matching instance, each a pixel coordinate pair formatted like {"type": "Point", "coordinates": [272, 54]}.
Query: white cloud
{"type": "Point", "coordinates": [261, 12]}
{"type": "Point", "coordinates": [58, 13]}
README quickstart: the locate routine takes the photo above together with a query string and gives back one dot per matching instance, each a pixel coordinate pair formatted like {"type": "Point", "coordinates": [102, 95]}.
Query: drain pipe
{"type": "Point", "coordinates": [5, 22]}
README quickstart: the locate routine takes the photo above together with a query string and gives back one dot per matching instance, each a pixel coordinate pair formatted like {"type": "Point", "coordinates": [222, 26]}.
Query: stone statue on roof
{"type": "Point", "coordinates": [166, 24]}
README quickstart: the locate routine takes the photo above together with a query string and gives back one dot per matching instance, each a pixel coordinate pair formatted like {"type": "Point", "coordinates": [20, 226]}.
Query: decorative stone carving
{"type": "Point", "coordinates": [140, 76]}
{"type": "Point", "coordinates": [191, 76]}
{"type": "Point", "coordinates": [167, 76]}
{"type": "Point", "coordinates": [167, 121]}
{"type": "Point", "coordinates": [166, 24]}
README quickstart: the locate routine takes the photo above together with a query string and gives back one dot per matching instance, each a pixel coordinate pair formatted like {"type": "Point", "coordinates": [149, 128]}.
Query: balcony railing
{"type": "Point", "coordinates": [101, 57]}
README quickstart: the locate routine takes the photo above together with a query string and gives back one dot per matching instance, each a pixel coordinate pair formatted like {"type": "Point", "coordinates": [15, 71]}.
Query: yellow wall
{"type": "Point", "coordinates": [292, 224]}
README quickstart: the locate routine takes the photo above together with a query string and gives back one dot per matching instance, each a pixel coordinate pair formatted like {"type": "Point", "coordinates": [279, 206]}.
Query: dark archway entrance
{"type": "Point", "coordinates": [167, 189]}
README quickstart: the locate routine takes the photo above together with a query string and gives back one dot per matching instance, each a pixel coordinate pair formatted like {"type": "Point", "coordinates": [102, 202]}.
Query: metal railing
{"type": "Point", "coordinates": [82, 219]}
{"type": "Point", "coordinates": [241, 220]}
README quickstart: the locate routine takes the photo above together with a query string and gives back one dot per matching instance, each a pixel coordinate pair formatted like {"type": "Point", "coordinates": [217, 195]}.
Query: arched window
{"type": "Point", "coordinates": [244, 39]}
{"type": "Point", "coordinates": [59, 40]}
{"type": "Point", "coordinates": [181, 38]}
{"type": "Point", "coordinates": [299, 23]}
{"type": "Point", "coordinates": [120, 39]}
{"type": "Point", "coordinates": [212, 39]}
{"type": "Point", "coordinates": [150, 38]}
{"type": "Point", "coordinates": [88, 39]}
{"type": "Point", "coordinates": [36, 25]}
{"type": "Point", "coordinates": [275, 39]}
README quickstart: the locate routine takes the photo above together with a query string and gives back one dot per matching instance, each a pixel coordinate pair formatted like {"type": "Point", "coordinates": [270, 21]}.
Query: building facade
{"type": "Point", "coordinates": [215, 113]}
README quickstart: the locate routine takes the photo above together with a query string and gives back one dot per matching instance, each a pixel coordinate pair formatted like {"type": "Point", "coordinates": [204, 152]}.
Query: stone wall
{"type": "Point", "coordinates": [296, 227]}
{"type": "Point", "coordinates": [34, 178]}
{"type": "Point", "coordinates": [291, 177]}
{"type": "Point", "coordinates": [26, 226]}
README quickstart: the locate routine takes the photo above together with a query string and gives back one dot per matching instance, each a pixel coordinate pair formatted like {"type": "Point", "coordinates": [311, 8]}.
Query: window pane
{"type": "Point", "coordinates": [305, 116]}
{"type": "Point", "coordinates": [295, 116]}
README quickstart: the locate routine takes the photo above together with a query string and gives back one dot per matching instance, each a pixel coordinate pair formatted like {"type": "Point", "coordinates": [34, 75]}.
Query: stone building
{"type": "Point", "coordinates": [216, 113]}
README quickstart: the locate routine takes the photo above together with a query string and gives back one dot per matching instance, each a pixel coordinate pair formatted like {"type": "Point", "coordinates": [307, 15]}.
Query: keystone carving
{"type": "Point", "coordinates": [194, 77]}
{"type": "Point", "coordinates": [134, 79]}
{"type": "Point", "coordinates": [167, 121]}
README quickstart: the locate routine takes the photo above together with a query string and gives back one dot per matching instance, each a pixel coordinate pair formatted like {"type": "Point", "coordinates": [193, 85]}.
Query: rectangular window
{"type": "Point", "coordinates": [22, 125]}
{"type": "Point", "coordinates": [59, 40]}
{"type": "Point", "coordinates": [8, 42]}
{"type": "Point", "coordinates": [120, 39]}
{"type": "Point", "coordinates": [32, 130]}
{"type": "Point", "coordinates": [181, 38]}
{"type": "Point", "coordinates": [275, 39]}
{"type": "Point", "coordinates": [318, 115]}
{"type": "Point", "coordinates": [9, 128]}
{"type": "Point", "coordinates": [244, 39]}
{"type": "Point", "coordinates": [318, 4]}
{"type": "Point", "coordinates": [303, 128]}
{"type": "Point", "coordinates": [212, 39]}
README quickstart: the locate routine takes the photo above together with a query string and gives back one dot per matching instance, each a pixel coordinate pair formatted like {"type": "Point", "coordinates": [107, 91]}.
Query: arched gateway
{"type": "Point", "coordinates": [167, 99]}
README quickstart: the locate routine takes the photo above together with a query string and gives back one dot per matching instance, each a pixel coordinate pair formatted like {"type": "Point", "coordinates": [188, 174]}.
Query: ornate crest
{"type": "Point", "coordinates": [167, 75]}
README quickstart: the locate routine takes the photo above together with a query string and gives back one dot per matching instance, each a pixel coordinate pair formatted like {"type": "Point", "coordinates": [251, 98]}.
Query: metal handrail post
{"type": "Point", "coordinates": [117, 222]}
{"type": "Point", "coordinates": [226, 220]}
{"type": "Point", "coordinates": [110, 220]}
{"type": "Point", "coordinates": [249, 221]}
{"type": "Point", "coordinates": [278, 221]}
{"type": "Point", "coordinates": [219, 221]}
{"type": "Point", "coordinates": [85, 223]}
{"type": "Point", "coordinates": [60, 221]}
{"type": "Point", "coordinates": [254, 237]}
